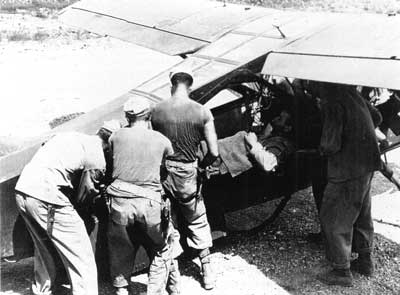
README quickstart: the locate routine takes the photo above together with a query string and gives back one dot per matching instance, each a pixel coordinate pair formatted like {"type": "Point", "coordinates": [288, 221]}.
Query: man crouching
{"type": "Point", "coordinates": [46, 195]}
{"type": "Point", "coordinates": [137, 203]}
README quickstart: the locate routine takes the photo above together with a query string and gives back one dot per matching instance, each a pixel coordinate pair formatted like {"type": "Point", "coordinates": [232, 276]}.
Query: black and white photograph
{"type": "Point", "coordinates": [200, 147]}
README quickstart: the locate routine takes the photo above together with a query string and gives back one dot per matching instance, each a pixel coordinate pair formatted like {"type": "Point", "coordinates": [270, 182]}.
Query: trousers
{"type": "Point", "coordinates": [58, 232]}
{"type": "Point", "coordinates": [182, 186]}
{"type": "Point", "coordinates": [346, 219]}
{"type": "Point", "coordinates": [138, 221]}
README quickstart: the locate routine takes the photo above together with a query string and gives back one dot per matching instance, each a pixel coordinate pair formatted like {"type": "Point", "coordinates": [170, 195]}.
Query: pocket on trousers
{"type": "Point", "coordinates": [119, 211]}
{"type": "Point", "coordinates": [185, 182]}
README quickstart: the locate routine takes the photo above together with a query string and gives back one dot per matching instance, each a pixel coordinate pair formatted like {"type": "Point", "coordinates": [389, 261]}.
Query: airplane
{"type": "Point", "coordinates": [231, 50]}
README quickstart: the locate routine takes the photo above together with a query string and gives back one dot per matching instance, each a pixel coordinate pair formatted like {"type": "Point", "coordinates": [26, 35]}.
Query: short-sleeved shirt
{"type": "Point", "coordinates": [182, 121]}
{"type": "Point", "coordinates": [58, 165]}
{"type": "Point", "coordinates": [138, 154]}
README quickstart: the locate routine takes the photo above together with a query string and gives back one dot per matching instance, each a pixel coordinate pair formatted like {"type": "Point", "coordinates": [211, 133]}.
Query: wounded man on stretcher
{"type": "Point", "coordinates": [245, 150]}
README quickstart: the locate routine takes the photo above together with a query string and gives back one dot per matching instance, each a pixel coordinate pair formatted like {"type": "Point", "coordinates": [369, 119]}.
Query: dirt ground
{"type": "Point", "coordinates": [277, 260]}
{"type": "Point", "coordinates": [46, 67]}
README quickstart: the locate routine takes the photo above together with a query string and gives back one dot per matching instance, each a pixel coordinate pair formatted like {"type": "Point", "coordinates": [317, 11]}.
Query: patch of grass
{"type": "Point", "coordinates": [11, 6]}
{"type": "Point", "coordinates": [373, 6]}
{"type": "Point", "coordinates": [62, 119]}
{"type": "Point", "coordinates": [40, 36]}
{"type": "Point", "coordinates": [23, 35]}
{"type": "Point", "coordinates": [19, 36]}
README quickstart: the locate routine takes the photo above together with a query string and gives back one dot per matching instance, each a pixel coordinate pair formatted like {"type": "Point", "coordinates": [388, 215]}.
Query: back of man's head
{"type": "Point", "coordinates": [180, 78]}
{"type": "Point", "coordinates": [137, 109]}
{"type": "Point", "coordinates": [108, 128]}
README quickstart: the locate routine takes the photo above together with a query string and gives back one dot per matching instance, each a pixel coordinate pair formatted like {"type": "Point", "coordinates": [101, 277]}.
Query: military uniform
{"type": "Point", "coordinates": [349, 142]}
{"type": "Point", "coordinates": [182, 123]}
{"type": "Point", "coordinates": [186, 123]}
{"type": "Point", "coordinates": [47, 208]}
{"type": "Point", "coordinates": [139, 214]}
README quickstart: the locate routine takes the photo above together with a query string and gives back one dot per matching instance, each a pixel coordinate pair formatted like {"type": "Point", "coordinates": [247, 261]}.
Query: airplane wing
{"type": "Point", "coordinates": [244, 46]}
{"type": "Point", "coordinates": [220, 39]}
{"type": "Point", "coordinates": [173, 27]}
{"type": "Point", "coordinates": [228, 38]}
{"type": "Point", "coordinates": [342, 48]}
{"type": "Point", "coordinates": [353, 49]}
{"type": "Point", "coordinates": [242, 40]}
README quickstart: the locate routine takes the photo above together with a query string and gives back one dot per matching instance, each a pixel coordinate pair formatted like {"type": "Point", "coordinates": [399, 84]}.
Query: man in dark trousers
{"type": "Point", "coordinates": [186, 123]}
{"type": "Point", "coordinates": [137, 202]}
{"type": "Point", "coordinates": [349, 142]}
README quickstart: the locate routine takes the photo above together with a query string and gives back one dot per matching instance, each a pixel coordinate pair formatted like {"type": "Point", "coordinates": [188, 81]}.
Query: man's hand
{"type": "Point", "coordinates": [250, 139]}
{"type": "Point", "coordinates": [379, 135]}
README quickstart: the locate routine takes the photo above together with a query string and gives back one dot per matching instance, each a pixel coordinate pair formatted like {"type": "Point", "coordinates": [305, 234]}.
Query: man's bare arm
{"type": "Point", "coordinates": [210, 136]}
{"type": "Point", "coordinates": [89, 186]}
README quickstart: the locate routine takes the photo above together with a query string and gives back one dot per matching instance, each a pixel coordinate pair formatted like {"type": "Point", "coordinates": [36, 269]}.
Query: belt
{"type": "Point", "coordinates": [125, 189]}
{"type": "Point", "coordinates": [182, 164]}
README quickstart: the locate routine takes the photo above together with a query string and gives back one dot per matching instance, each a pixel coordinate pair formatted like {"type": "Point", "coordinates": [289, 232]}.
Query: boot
{"type": "Point", "coordinates": [207, 272]}
{"type": "Point", "coordinates": [341, 277]}
{"type": "Point", "coordinates": [363, 264]}
{"type": "Point", "coordinates": [174, 277]}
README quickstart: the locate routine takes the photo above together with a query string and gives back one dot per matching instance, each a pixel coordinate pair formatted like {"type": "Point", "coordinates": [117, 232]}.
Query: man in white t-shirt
{"type": "Point", "coordinates": [46, 193]}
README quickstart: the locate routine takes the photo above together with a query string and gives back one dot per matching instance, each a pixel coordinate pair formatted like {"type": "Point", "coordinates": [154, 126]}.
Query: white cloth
{"type": "Point", "coordinates": [265, 159]}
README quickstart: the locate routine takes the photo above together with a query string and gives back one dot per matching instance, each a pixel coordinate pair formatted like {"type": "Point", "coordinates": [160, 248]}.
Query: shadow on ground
{"type": "Point", "coordinates": [279, 256]}
{"type": "Point", "coordinates": [284, 255]}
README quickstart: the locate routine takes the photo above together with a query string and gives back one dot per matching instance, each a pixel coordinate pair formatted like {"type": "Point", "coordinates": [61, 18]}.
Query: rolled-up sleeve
{"type": "Point", "coordinates": [89, 186]}
{"type": "Point", "coordinates": [332, 131]}
{"type": "Point", "coordinates": [93, 173]}
{"type": "Point", "coordinates": [265, 159]}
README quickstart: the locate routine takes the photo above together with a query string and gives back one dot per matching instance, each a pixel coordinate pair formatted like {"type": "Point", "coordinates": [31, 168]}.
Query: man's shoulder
{"type": "Point", "coordinates": [161, 105]}
{"type": "Point", "coordinates": [125, 131]}
{"type": "Point", "coordinates": [196, 104]}
{"type": "Point", "coordinates": [202, 112]}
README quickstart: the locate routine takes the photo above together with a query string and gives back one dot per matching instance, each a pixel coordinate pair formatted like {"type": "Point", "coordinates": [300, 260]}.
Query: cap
{"type": "Point", "coordinates": [111, 126]}
{"type": "Point", "coordinates": [137, 106]}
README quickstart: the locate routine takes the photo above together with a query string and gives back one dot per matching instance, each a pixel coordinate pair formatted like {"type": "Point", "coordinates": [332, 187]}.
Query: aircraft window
{"type": "Point", "coordinates": [223, 97]}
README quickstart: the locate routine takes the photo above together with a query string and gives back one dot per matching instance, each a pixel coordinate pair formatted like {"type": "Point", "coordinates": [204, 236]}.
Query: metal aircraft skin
{"type": "Point", "coordinates": [215, 40]}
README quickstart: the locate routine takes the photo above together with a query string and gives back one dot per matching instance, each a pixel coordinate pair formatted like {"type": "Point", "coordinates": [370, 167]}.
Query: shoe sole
{"type": "Point", "coordinates": [335, 284]}
{"type": "Point", "coordinates": [363, 273]}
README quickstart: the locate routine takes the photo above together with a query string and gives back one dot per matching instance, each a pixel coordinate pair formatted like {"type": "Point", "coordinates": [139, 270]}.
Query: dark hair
{"type": "Point", "coordinates": [183, 78]}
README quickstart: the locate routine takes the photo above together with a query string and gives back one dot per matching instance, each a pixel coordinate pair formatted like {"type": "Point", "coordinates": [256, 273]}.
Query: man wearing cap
{"type": "Point", "coordinates": [137, 202]}
{"type": "Point", "coordinates": [186, 123]}
{"type": "Point", "coordinates": [64, 173]}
